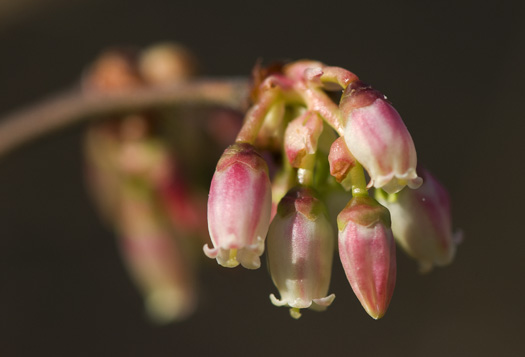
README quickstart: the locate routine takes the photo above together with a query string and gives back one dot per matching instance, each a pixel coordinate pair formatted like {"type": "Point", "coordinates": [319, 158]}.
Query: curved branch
{"type": "Point", "coordinates": [74, 106]}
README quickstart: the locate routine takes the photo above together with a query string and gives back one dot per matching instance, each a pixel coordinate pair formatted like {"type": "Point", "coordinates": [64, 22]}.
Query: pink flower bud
{"type": "Point", "coordinates": [300, 138]}
{"type": "Point", "coordinates": [340, 159]}
{"type": "Point", "coordinates": [378, 139]}
{"type": "Point", "coordinates": [239, 207]}
{"type": "Point", "coordinates": [421, 222]}
{"type": "Point", "coordinates": [300, 252]}
{"type": "Point", "coordinates": [367, 252]}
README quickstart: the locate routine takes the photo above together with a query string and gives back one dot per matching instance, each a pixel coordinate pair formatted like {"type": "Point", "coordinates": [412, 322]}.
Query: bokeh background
{"type": "Point", "coordinates": [454, 70]}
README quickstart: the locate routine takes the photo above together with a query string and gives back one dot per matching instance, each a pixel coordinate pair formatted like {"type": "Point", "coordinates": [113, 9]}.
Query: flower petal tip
{"type": "Point", "coordinates": [210, 252]}
{"type": "Point", "coordinates": [376, 315]}
{"type": "Point", "coordinates": [276, 301]}
{"type": "Point", "coordinates": [393, 184]}
{"type": "Point", "coordinates": [375, 311]}
{"type": "Point", "coordinates": [415, 183]}
{"type": "Point", "coordinates": [252, 264]}
{"type": "Point", "coordinates": [249, 257]}
{"type": "Point", "coordinates": [326, 301]}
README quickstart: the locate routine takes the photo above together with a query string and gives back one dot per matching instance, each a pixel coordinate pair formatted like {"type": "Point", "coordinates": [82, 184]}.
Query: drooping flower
{"type": "Point", "coordinates": [300, 252]}
{"type": "Point", "coordinates": [367, 252]}
{"type": "Point", "coordinates": [421, 222]}
{"type": "Point", "coordinates": [128, 168]}
{"type": "Point", "coordinates": [377, 137]}
{"type": "Point", "coordinates": [239, 207]}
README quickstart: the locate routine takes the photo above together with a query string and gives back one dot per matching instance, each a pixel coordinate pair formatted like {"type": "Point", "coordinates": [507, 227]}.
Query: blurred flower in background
{"type": "Point", "coordinates": [140, 183]}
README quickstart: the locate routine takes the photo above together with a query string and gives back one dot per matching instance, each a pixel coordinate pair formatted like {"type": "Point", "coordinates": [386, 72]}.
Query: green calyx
{"type": "Point", "coordinates": [242, 153]}
{"type": "Point", "coordinates": [302, 200]}
{"type": "Point", "coordinates": [365, 211]}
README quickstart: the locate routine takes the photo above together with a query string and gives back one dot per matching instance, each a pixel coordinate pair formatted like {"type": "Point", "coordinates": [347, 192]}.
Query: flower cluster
{"type": "Point", "coordinates": [315, 138]}
{"type": "Point", "coordinates": [296, 148]}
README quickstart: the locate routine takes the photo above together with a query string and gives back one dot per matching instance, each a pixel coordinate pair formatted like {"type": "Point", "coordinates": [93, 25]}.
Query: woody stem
{"type": "Point", "coordinates": [75, 106]}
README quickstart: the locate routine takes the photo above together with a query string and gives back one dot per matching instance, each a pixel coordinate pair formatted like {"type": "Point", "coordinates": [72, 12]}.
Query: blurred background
{"type": "Point", "coordinates": [455, 72]}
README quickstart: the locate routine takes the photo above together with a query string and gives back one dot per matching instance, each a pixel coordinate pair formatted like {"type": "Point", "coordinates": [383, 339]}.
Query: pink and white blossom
{"type": "Point", "coordinates": [239, 208]}
{"type": "Point", "coordinates": [422, 224]}
{"type": "Point", "coordinates": [377, 137]}
{"type": "Point", "coordinates": [300, 252]}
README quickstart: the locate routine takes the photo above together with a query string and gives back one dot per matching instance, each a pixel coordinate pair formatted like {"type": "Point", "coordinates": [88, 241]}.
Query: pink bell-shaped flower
{"type": "Point", "coordinates": [377, 137]}
{"type": "Point", "coordinates": [300, 252]}
{"type": "Point", "coordinates": [421, 222]}
{"type": "Point", "coordinates": [239, 207]}
{"type": "Point", "coordinates": [367, 252]}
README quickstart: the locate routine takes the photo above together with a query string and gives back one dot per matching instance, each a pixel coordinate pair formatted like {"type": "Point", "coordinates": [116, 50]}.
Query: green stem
{"type": "Point", "coordinates": [338, 75]}
{"type": "Point", "coordinates": [305, 174]}
{"type": "Point", "coordinates": [255, 117]}
{"type": "Point", "coordinates": [357, 177]}
{"type": "Point", "coordinates": [316, 100]}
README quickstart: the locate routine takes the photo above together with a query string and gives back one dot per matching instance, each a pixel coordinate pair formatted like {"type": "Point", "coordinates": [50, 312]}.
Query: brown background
{"type": "Point", "coordinates": [454, 72]}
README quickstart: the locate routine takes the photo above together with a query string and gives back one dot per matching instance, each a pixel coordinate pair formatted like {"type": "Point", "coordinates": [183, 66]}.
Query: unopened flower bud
{"type": "Point", "coordinates": [239, 207]}
{"type": "Point", "coordinates": [341, 161]}
{"type": "Point", "coordinates": [301, 136]}
{"type": "Point", "coordinates": [378, 138]}
{"type": "Point", "coordinates": [367, 252]}
{"type": "Point", "coordinates": [300, 252]}
{"type": "Point", "coordinates": [421, 222]}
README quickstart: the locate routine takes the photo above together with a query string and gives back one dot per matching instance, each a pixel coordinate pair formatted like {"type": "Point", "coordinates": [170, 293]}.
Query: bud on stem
{"type": "Point", "coordinates": [367, 252]}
